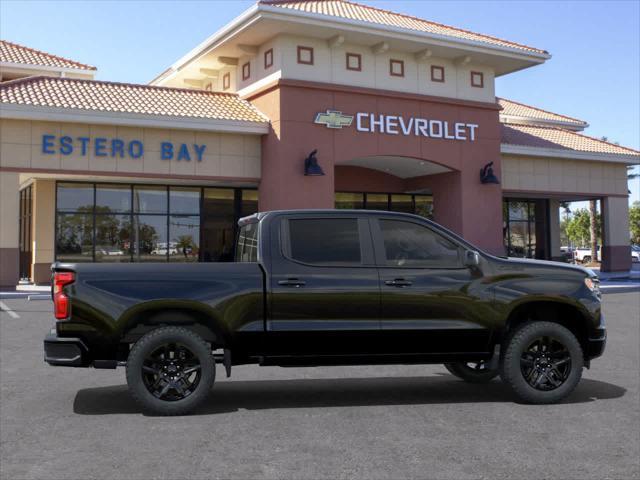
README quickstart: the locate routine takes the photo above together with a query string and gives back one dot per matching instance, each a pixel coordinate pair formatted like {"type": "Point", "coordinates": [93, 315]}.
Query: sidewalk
{"type": "Point", "coordinates": [631, 275]}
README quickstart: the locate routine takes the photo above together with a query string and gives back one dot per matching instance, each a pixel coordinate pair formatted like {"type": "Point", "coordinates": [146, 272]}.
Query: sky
{"type": "Point", "coordinates": [593, 75]}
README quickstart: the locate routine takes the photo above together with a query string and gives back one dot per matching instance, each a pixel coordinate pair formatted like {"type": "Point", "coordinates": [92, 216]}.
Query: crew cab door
{"type": "Point", "coordinates": [324, 289]}
{"type": "Point", "coordinates": [430, 302]}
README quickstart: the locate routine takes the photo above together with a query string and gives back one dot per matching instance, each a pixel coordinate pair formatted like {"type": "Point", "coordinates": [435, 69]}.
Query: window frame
{"type": "Point", "coordinates": [367, 255]}
{"type": "Point", "coordinates": [246, 71]}
{"type": "Point", "coordinates": [268, 58]}
{"type": "Point", "coordinates": [480, 75]}
{"type": "Point", "coordinates": [358, 56]}
{"type": "Point", "coordinates": [393, 61]}
{"type": "Point", "coordinates": [302, 48]}
{"type": "Point", "coordinates": [435, 68]}
{"type": "Point", "coordinates": [226, 81]}
{"type": "Point", "coordinates": [380, 251]}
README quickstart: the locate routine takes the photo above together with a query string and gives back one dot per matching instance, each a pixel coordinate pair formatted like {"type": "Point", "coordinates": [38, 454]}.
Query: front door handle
{"type": "Point", "coordinates": [398, 282]}
{"type": "Point", "coordinates": [292, 282]}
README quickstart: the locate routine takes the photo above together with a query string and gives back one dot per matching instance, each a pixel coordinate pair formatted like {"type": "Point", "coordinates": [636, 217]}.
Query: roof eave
{"type": "Point", "coordinates": [48, 68]}
{"type": "Point", "coordinates": [260, 10]}
{"type": "Point", "coordinates": [511, 149]}
{"type": "Point", "coordinates": [75, 115]}
{"type": "Point", "coordinates": [575, 126]}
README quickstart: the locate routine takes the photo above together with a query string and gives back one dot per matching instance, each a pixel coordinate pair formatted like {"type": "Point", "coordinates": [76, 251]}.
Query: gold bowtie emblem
{"type": "Point", "coordinates": [334, 119]}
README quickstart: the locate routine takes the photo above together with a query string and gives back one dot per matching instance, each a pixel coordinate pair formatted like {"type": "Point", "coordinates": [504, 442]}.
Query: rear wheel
{"type": "Point", "coordinates": [586, 259]}
{"type": "Point", "coordinates": [170, 371]}
{"type": "Point", "coordinates": [542, 362]}
{"type": "Point", "coordinates": [472, 372]}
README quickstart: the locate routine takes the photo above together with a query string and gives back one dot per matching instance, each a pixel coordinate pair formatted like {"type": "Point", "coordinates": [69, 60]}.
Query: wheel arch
{"type": "Point", "coordinates": [563, 313]}
{"type": "Point", "coordinates": [195, 317]}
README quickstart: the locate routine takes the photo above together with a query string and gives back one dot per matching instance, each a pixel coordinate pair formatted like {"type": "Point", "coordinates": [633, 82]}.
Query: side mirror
{"type": "Point", "coordinates": [471, 258]}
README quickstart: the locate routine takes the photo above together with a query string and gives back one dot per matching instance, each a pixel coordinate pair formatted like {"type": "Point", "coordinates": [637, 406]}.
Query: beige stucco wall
{"type": "Point", "coordinates": [9, 209]}
{"type": "Point", "coordinates": [43, 223]}
{"type": "Point", "coordinates": [226, 154]}
{"type": "Point", "coordinates": [616, 221]}
{"type": "Point", "coordinates": [534, 174]}
{"type": "Point", "coordinates": [330, 67]}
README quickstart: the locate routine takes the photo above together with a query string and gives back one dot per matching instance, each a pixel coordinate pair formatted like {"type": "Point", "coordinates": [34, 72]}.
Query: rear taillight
{"type": "Point", "coordinates": [61, 305]}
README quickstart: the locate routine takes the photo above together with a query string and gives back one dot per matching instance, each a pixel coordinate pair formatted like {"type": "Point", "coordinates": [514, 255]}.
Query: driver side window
{"type": "Point", "coordinates": [408, 244]}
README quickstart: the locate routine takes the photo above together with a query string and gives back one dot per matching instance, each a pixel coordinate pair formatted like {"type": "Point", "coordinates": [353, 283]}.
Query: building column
{"type": "Point", "coordinates": [9, 236]}
{"type": "Point", "coordinates": [616, 248]}
{"type": "Point", "coordinates": [44, 224]}
{"type": "Point", "coordinates": [554, 231]}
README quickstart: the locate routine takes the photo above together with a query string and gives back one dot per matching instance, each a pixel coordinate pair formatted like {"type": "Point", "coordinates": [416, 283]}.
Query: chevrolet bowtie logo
{"type": "Point", "coordinates": [334, 119]}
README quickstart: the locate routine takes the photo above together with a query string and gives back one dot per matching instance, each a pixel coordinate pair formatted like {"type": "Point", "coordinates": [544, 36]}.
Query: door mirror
{"type": "Point", "coordinates": [471, 258]}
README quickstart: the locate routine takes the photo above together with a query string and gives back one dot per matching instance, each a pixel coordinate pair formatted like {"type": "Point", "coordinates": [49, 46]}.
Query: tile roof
{"type": "Point", "coordinates": [127, 98]}
{"type": "Point", "coordinates": [14, 53]}
{"type": "Point", "coordinates": [354, 11]}
{"type": "Point", "coordinates": [516, 109]}
{"type": "Point", "coordinates": [559, 139]}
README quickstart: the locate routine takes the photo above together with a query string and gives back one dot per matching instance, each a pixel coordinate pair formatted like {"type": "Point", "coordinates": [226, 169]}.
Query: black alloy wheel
{"type": "Point", "coordinates": [170, 371]}
{"type": "Point", "coordinates": [546, 363]}
{"type": "Point", "coordinates": [542, 362]}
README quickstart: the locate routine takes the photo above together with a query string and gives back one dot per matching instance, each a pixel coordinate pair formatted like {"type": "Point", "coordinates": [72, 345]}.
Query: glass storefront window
{"type": "Point", "coordinates": [74, 237]}
{"type": "Point", "coordinates": [148, 223]}
{"type": "Point", "coordinates": [346, 201]}
{"type": "Point", "coordinates": [184, 234]}
{"type": "Point", "coordinates": [249, 203]}
{"type": "Point", "coordinates": [113, 198]}
{"type": "Point", "coordinates": [184, 200]}
{"type": "Point", "coordinates": [377, 201]}
{"type": "Point", "coordinates": [149, 199]}
{"type": "Point", "coordinates": [74, 196]}
{"type": "Point", "coordinates": [113, 238]}
{"type": "Point", "coordinates": [521, 231]}
{"type": "Point", "coordinates": [424, 206]}
{"type": "Point", "coordinates": [402, 203]}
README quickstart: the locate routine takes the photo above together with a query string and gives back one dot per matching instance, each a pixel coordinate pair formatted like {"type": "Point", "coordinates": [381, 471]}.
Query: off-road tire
{"type": "Point", "coordinates": [155, 339]}
{"type": "Point", "coordinates": [469, 374]}
{"type": "Point", "coordinates": [511, 367]}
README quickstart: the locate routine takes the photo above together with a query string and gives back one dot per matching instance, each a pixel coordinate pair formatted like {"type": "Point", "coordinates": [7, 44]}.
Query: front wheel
{"type": "Point", "coordinates": [542, 363]}
{"type": "Point", "coordinates": [472, 372]}
{"type": "Point", "coordinates": [170, 371]}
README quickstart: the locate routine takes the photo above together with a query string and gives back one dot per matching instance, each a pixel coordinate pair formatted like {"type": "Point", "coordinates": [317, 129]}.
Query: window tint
{"type": "Point", "coordinates": [247, 248]}
{"type": "Point", "coordinates": [411, 245]}
{"type": "Point", "coordinates": [325, 241]}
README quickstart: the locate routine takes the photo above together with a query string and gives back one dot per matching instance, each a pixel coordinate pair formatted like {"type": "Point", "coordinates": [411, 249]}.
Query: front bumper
{"type": "Point", "coordinates": [596, 343]}
{"type": "Point", "coordinates": [65, 351]}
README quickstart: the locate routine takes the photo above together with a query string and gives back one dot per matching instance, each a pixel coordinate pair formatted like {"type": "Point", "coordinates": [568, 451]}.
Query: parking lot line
{"type": "Point", "coordinates": [4, 308]}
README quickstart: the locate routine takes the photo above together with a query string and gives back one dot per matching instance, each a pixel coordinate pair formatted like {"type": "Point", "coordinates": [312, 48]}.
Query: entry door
{"type": "Point", "coordinates": [430, 302]}
{"type": "Point", "coordinates": [325, 295]}
{"type": "Point", "coordinates": [26, 211]}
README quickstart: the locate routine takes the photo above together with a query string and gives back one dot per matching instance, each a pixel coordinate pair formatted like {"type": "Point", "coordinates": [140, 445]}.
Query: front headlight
{"type": "Point", "coordinates": [593, 284]}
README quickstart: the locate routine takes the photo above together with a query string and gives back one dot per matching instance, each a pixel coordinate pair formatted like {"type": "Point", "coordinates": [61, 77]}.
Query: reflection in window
{"type": "Point", "coordinates": [402, 203]}
{"type": "Point", "coordinates": [247, 248]}
{"type": "Point", "coordinates": [184, 200]}
{"type": "Point", "coordinates": [150, 239]}
{"type": "Point", "coordinates": [377, 201]}
{"type": "Point", "coordinates": [72, 196]}
{"type": "Point", "coordinates": [218, 225]}
{"type": "Point", "coordinates": [147, 199]}
{"type": "Point", "coordinates": [345, 201]}
{"type": "Point", "coordinates": [113, 238]}
{"type": "Point", "coordinates": [249, 203]}
{"type": "Point", "coordinates": [184, 233]}
{"type": "Point", "coordinates": [113, 198]}
{"type": "Point", "coordinates": [411, 245]}
{"type": "Point", "coordinates": [74, 237]}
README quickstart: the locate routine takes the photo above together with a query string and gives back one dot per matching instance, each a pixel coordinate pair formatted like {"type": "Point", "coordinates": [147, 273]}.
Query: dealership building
{"type": "Point", "coordinates": [401, 113]}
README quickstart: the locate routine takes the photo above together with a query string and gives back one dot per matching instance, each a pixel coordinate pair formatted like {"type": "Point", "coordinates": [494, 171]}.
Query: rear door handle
{"type": "Point", "coordinates": [398, 282]}
{"type": "Point", "coordinates": [292, 282]}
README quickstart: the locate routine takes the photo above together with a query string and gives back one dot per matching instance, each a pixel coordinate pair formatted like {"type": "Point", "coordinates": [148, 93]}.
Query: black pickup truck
{"type": "Point", "coordinates": [330, 287]}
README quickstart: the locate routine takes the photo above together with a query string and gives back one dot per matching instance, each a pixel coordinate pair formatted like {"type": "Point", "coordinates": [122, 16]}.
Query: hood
{"type": "Point", "coordinates": [514, 261]}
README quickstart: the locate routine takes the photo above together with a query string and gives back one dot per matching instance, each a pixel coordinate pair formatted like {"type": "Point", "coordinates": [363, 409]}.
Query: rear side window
{"type": "Point", "coordinates": [325, 241]}
{"type": "Point", "coordinates": [247, 247]}
{"type": "Point", "coordinates": [408, 244]}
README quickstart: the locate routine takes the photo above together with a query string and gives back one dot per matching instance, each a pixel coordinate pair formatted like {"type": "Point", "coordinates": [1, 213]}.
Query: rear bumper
{"type": "Point", "coordinates": [65, 352]}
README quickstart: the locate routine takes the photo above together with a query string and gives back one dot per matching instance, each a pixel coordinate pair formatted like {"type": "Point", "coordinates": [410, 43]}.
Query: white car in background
{"type": "Point", "coordinates": [635, 253]}
{"type": "Point", "coordinates": [583, 255]}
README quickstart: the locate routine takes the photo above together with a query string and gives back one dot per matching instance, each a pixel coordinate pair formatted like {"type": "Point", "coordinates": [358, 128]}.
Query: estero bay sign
{"type": "Point", "coordinates": [116, 147]}
{"type": "Point", "coordinates": [399, 125]}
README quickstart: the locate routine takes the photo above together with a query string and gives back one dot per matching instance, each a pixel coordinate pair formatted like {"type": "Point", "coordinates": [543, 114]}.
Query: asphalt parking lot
{"type": "Point", "coordinates": [339, 422]}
